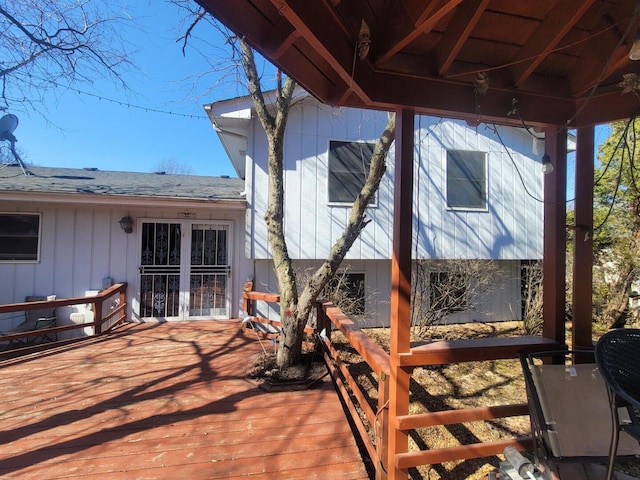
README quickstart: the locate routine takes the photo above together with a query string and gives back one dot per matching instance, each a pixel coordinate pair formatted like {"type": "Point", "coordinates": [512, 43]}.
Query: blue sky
{"type": "Point", "coordinates": [81, 130]}
{"type": "Point", "coordinates": [104, 126]}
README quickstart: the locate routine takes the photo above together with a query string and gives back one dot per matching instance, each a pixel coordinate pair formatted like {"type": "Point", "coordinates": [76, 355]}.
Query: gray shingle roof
{"type": "Point", "coordinates": [131, 184]}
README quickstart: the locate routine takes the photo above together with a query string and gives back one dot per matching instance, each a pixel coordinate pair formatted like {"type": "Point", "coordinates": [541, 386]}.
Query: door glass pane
{"type": "Point", "coordinates": [208, 246]}
{"type": "Point", "coordinates": [208, 295]}
{"type": "Point", "coordinates": [221, 253]}
{"type": "Point", "coordinates": [160, 270]}
{"type": "Point", "coordinates": [209, 271]}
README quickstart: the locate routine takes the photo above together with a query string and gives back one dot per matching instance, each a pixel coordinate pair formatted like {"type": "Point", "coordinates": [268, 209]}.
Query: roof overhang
{"type": "Point", "coordinates": [233, 132]}
{"type": "Point", "coordinates": [563, 61]}
{"type": "Point", "coordinates": [119, 200]}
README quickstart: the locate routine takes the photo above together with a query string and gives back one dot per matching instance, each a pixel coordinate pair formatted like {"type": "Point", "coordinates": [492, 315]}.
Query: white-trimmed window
{"type": "Point", "coordinates": [348, 169]}
{"type": "Point", "coordinates": [466, 179]}
{"type": "Point", "coordinates": [19, 237]}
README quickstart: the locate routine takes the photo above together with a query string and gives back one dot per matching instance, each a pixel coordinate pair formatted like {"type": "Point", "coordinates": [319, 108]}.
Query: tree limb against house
{"type": "Point", "coordinates": [295, 306]}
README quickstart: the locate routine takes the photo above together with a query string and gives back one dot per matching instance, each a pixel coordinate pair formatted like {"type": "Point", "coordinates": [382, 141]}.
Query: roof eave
{"type": "Point", "coordinates": [239, 204]}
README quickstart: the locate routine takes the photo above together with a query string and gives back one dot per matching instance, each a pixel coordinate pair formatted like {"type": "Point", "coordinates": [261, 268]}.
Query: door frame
{"type": "Point", "coordinates": [185, 266]}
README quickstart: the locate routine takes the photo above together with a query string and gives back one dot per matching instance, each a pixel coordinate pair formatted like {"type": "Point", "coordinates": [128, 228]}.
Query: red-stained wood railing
{"type": "Point", "coordinates": [114, 298]}
{"type": "Point", "coordinates": [354, 398]}
{"type": "Point", "coordinates": [349, 389]}
{"type": "Point", "coordinates": [431, 353]}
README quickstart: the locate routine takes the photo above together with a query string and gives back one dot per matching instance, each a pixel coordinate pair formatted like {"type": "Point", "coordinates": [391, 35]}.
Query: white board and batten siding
{"type": "Point", "coordinates": [508, 230]}
{"type": "Point", "coordinates": [82, 245]}
{"type": "Point", "coordinates": [501, 303]}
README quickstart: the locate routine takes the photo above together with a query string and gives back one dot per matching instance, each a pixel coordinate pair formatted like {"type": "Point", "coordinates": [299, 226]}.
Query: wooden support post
{"type": "Point", "coordinates": [123, 301]}
{"type": "Point", "coordinates": [382, 426]}
{"type": "Point", "coordinates": [583, 242]}
{"type": "Point", "coordinates": [97, 316]}
{"type": "Point", "coordinates": [247, 304]}
{"type": "Point", "coordinates": [322, 323]}
{"type": "Point", "coordinates": [554, 254]}
{"type": "Point", "coordinates": [400, 287]}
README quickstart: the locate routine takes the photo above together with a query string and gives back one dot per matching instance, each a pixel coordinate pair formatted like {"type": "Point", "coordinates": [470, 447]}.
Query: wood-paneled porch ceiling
{"type": "Point", "coordinates": [562, 60]}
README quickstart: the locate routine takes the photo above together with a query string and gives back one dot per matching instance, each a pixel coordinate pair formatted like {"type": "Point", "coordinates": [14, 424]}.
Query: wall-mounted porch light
{"type": "Point", "coordinates": [126, 224]}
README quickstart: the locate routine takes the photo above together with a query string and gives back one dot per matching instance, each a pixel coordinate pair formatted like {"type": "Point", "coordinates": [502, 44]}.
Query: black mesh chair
{"type": "Point", "coordinates": [561, 394]}
{"type": "Point", "coordinates": [618, 359]}
{"type": "Point", "coordinates": [35, 320]}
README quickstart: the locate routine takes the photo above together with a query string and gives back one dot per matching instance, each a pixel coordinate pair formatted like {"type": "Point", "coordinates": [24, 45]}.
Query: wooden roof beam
{"type": "Point", "coordinates": [559, 21]}
{"type": "Point", "coordinates": [458, 31]}
{"type": "Point", "coordinates": [450, 99]}
{"type": "Point", "coordinates": [284, 46]}
{"type": "Point", "coordinates": [608, 51]}
{"type": "Point", "coordinates": [405, 32]}
{"type": "Point", "coordinates": [594, 77]}
{"type": "Point", "coordinates": [315, 22]}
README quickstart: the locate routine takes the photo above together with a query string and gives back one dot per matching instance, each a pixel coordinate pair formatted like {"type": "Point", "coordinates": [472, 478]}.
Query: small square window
{"type": "Point", "coordinates": [348, 169]}
{"type": "Point", "coordinates": [466, 179]}
{"type": "Point", "coordinates": [19, 237]}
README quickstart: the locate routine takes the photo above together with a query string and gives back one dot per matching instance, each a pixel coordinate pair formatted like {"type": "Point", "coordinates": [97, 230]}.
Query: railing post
{"type": "Point", "coordinates": [400, 307]}
{"type": "Point", "coordinates": [123, 300]}
{"type": "Point", "coordinates": [555, 236]}
{"type": "Point", "coordinates": [247, 304]}
{"type": "Point", "coordinates": [97, 317]}
{"type": "Point", "coordinates": [322, 323]}
{"type": "Point", "coordinates": [382, 427]}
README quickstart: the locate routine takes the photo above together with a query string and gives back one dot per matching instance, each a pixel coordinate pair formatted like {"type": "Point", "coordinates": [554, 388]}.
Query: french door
{"type": "Point", "coordinates": [185, 269]}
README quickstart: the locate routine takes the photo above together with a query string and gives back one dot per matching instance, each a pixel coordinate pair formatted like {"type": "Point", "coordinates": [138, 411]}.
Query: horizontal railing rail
{"type": "Point", "coordinates": [427, 354]}
{"type": "Point", "coordinates": [113, 297]}
{"type": "Point", "coordinates": [352, 395]}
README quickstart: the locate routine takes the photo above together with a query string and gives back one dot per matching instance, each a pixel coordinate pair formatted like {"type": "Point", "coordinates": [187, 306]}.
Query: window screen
{"type": "Point", "coordinates": [348, 169]}
{"type": "Point", "coordinates": [19, 237]}
{"type": "Point", "coordinates": [466, 179]}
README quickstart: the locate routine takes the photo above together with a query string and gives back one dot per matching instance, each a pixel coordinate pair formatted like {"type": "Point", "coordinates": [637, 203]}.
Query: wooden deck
{"type": "Point", "coordinates": [157, 401]}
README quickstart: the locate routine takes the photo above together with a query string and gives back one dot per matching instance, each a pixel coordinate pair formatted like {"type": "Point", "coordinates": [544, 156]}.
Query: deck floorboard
{"type": "Point", "coordinates": [170, 400]}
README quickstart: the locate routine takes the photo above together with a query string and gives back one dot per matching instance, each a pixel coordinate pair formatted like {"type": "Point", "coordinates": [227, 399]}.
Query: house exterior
{"type": "Point", "coordinates": [60, 234]}
{"type": "Point", "coordinates": [478, 196]}
{"type": "Point", "coordinates": [193, 241]}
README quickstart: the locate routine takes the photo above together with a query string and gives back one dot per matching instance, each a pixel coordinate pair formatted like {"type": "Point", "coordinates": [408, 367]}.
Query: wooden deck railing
{"type": "Point", "coordinates": [354, 398]}
{"type": "Point", "coordinates": [113, 298]}
{"type": "Point", "coordinates": [432, 353]}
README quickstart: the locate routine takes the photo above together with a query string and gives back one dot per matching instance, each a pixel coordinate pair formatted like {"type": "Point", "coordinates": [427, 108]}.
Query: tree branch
{"type": "Point", "coordinates": [357, 219]}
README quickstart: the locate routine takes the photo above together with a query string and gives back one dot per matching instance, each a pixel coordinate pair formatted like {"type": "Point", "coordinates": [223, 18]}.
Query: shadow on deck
{"type": "Point", "coordinates": [166, 400]}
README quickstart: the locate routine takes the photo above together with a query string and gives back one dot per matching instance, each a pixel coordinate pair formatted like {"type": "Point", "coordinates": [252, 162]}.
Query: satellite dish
{"type": "Point", "coordinates": [8, 124]}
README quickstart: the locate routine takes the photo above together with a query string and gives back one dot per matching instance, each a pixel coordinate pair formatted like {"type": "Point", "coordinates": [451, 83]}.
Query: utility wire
{"type": "Point", "coordinates": [137, 107]}
{"type": "Point", "coordinates": [623, 145]}
{"type": "Point", "coordinates": [615, 196]}
{"type": "Point", "coordinates": [128, 104]}
{"type": "Point", "coordinates": [515, 166]}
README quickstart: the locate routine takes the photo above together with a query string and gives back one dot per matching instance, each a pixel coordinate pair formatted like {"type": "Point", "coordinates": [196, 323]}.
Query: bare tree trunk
{"type": "Point", "coordinates": [295, 315]}
{"type": "Point", "coordinates": [356, 223]}
{"type": "Point", "coordinates": [294, 310]}
{"type": "Point", "coordinates": [618, 305]}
